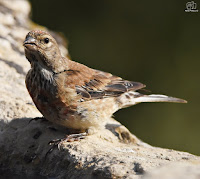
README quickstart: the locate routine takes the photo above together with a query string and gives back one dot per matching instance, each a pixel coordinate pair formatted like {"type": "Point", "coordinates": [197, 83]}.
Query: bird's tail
{"type": "Point", "coordinates": [131, 98]}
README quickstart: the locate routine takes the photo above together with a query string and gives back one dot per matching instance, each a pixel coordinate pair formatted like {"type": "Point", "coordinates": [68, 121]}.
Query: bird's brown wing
{"type": "Point", "coordinates": [95, 84]}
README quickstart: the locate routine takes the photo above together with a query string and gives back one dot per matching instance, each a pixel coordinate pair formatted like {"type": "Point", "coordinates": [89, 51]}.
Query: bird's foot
{"type": "Point", "coordinates": [38, 118]}
{"type": "Point", "coordinates": [68, 138]}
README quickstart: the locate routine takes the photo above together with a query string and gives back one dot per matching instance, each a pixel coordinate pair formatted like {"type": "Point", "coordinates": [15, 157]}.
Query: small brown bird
{"type": "Point", "coordinates": [73, 95]}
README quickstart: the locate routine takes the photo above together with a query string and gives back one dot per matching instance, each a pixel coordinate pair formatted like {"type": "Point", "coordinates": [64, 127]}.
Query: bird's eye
{"type": "Point", "coordinates": [46, 40]}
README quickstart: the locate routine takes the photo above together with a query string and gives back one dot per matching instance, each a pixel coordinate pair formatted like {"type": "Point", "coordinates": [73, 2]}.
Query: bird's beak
{"type": "Point", "coordinates": [29, 40]}
{"type": "Point", "coordinates": [30, 43]}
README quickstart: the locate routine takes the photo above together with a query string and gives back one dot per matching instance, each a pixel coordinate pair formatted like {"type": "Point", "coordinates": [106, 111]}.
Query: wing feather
{"type": "Point", "coordinates": [95, 84]}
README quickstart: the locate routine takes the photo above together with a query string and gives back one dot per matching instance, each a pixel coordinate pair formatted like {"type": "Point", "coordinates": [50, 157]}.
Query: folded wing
{"type": "Point", "coordinates": [90, 83]}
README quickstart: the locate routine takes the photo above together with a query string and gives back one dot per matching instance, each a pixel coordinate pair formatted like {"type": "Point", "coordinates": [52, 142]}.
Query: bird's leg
{"type": "Point", "coordinates": [38, 118]}
{"type": "Point", "coordinates": [68, 138]}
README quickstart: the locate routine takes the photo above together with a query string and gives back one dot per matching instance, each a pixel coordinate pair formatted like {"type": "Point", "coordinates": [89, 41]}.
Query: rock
{"type": "Point", "coordinates": [175, 170]}
{"type": "Point", "coordinates": [25, 153]}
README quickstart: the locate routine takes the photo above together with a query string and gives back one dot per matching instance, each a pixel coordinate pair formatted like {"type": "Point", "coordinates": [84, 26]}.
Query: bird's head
{"type": "Point", "coordinates": [42, 49]}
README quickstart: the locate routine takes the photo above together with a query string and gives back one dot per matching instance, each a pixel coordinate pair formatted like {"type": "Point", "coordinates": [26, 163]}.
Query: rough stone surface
{"type": "Point", "coordinates": [112, 153]}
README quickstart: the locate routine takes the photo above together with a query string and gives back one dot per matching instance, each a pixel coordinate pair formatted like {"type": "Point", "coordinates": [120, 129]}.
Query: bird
{"type": "Point", "coordinates": [73, 95]}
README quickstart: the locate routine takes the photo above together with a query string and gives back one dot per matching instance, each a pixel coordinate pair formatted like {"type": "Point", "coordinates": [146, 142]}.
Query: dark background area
{"type": "Point", "coordinates": [154, 42]}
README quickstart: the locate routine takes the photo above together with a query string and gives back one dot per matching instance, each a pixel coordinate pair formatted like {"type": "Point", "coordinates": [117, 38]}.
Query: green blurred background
{"type": "Point", "coordinates": [154, 42]}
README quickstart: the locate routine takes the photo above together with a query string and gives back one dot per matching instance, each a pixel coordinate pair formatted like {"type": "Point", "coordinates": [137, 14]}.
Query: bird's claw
{"type": "Point", "coordinates": [37, 118]}
{"type": "Point", "coordinates": [68, 138]}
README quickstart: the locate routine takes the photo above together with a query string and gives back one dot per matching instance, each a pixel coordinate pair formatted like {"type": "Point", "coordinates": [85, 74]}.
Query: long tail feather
{"type": "Point", "coordinates": [159, 98]}
{"type": "Point", "coordinates": [131, 98]}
